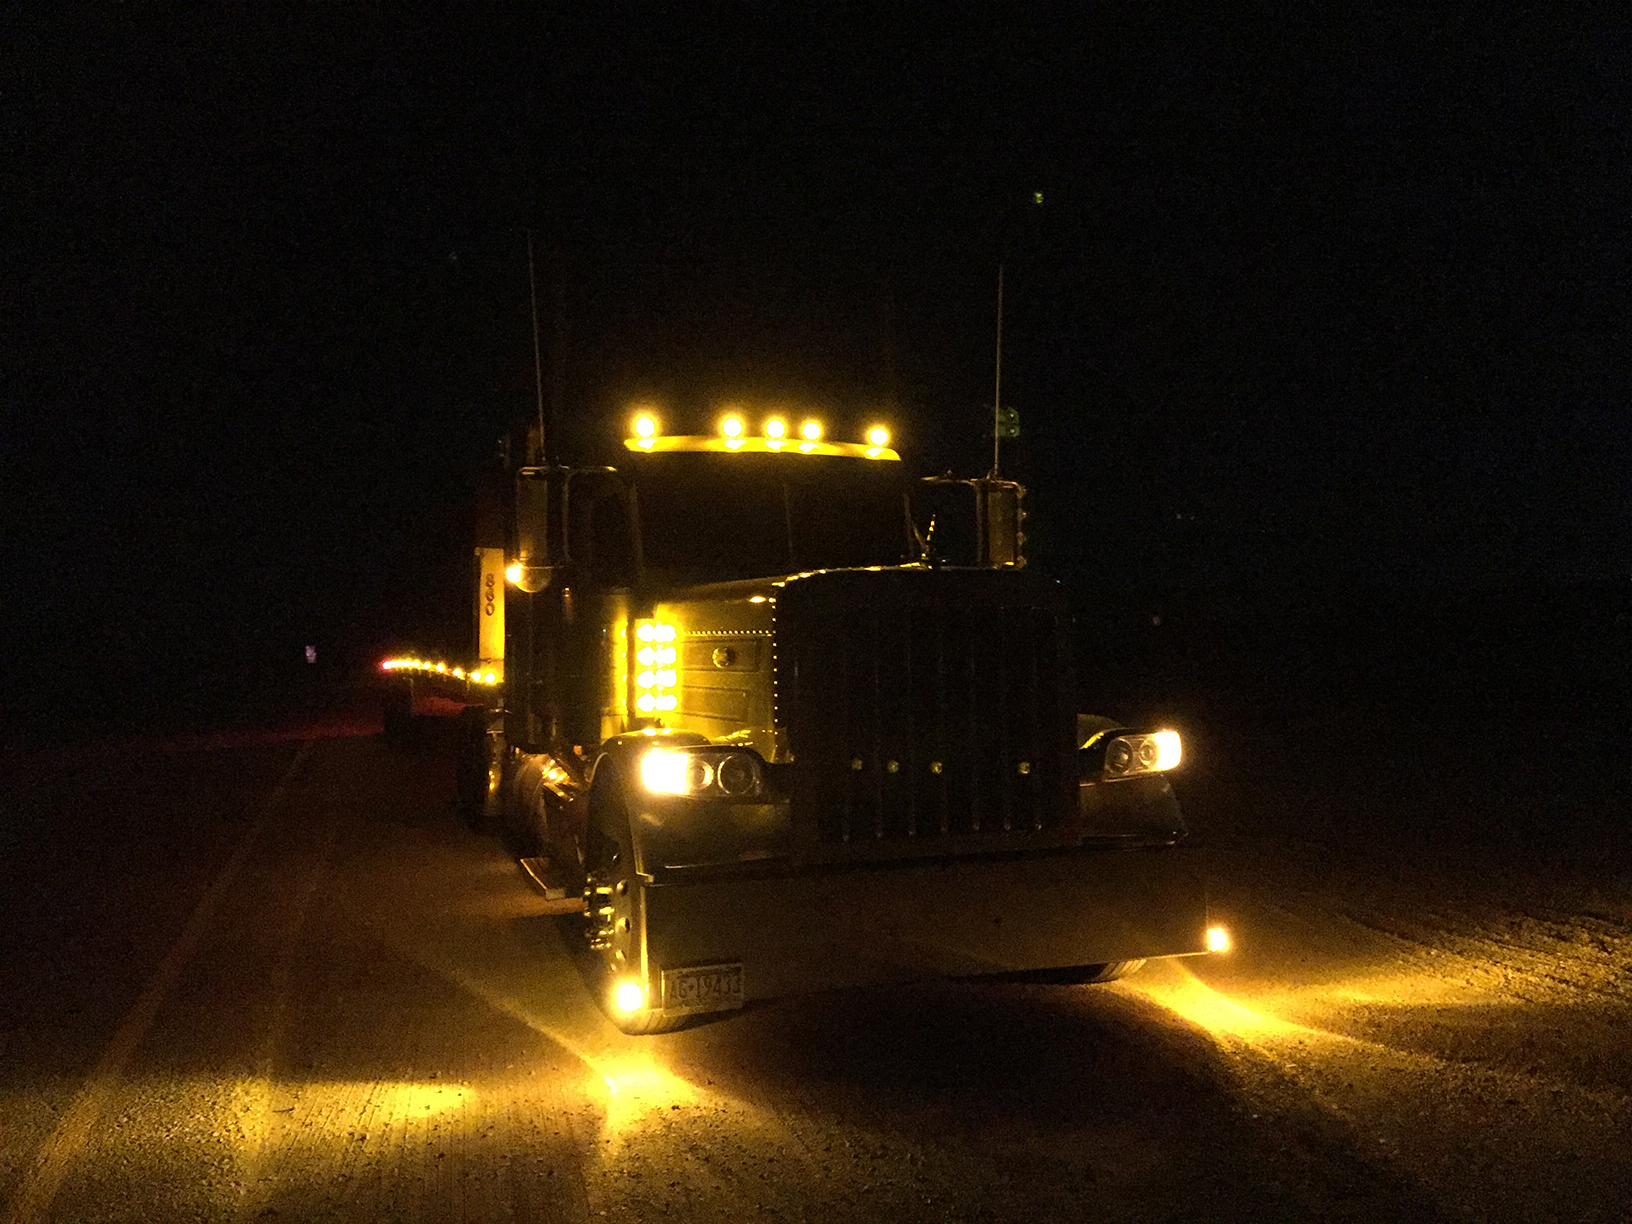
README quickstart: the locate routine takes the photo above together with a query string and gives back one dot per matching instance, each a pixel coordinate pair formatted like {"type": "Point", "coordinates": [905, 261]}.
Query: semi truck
{"type": "Point", "coordinates": [775, 714]}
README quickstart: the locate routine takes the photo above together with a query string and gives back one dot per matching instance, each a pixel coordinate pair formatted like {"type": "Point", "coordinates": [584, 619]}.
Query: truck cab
{"type": "Point", "coordinates": [788, 717]}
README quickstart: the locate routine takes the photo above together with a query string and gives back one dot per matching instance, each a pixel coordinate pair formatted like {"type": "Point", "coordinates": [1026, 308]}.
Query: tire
{"type": "Point", "coordinates": [479, 770]}
{"type": "Point", "coordinates": [1081, 975]}
{"type": "Point", "coordinates": [1108, 972]}
{"type": "Point", "coordinates": [397, 713]}
{"type": "Point", "coordinates": [612, 915]}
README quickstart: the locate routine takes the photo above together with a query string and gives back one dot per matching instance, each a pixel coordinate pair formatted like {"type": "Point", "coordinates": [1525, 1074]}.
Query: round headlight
{"type": "Point", "coordinates": [737, 775]}
{"type": "Point", "coordinates": [1118, 756]}
{"type": "Point", "coordinates": [699, 775]}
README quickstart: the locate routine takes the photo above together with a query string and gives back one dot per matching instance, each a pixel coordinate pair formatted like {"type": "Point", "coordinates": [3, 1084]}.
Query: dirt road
{"type": "Point", "coordinates": [275, 979]}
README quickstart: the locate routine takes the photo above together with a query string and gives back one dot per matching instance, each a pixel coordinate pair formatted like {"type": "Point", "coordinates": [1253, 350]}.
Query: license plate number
{"type": "Point", "coordinates": [705, 988]}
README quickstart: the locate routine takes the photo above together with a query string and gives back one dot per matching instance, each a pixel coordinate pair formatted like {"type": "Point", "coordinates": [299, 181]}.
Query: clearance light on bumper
{"type": "Point", "coordinates": [1131, 756]}
{"type": "Point", "coordinates": [1218, 939]}
{"type": "Point", "coordinates": [628, 997]}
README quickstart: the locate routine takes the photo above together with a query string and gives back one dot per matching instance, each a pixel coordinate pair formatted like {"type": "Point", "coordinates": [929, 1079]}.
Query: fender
{"type": "Point", "coordinates": [681, 832]}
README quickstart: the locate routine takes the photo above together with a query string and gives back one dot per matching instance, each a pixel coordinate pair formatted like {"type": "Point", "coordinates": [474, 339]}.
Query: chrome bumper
{"type": "Point", "coordinates": [902, 922]}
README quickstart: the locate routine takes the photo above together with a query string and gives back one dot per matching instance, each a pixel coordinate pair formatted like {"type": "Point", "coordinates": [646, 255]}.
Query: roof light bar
{"type": "Point", "coordinates": [770, 446]}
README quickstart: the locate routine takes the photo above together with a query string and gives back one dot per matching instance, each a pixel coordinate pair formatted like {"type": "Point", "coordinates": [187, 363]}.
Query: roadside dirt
{"type": "Point", "coordinates": [372, 1020]}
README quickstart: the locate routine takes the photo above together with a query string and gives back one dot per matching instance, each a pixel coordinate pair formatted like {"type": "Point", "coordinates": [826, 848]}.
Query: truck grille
{"type": "Point", "coordinates": [925, 711]}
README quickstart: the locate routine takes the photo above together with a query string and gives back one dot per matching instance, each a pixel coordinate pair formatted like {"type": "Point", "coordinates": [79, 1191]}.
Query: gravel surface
{"type": "Point", "coordinates": [273, 978]}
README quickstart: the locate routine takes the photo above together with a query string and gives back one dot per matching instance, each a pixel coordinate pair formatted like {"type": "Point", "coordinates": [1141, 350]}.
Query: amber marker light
{"type": "Point", "coordinates": [1218, 939]}
{"type": "Point", "coordinates": [732, 427]}
{"type": "Point", "coordinates": [776, 428]}
{"type": "Point", "coordinates": [878, 436]}
{"type": "Point", "coordinates": [811, 431]}
{"type": "Point", "coordinates": [512, 573]}
{"type": "Point", "coordinates": [628, 997]}
{"type": "Point", "coordinates": [645, 426]}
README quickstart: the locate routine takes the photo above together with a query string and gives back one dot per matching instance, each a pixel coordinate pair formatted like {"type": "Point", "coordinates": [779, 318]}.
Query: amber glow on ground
{"type": "Point", "coordinates": [1181, 991]}
{"type": "Point", "coordinates": [626, 1076]}
{"type": "Point", "coordinates": [1323, 1009]}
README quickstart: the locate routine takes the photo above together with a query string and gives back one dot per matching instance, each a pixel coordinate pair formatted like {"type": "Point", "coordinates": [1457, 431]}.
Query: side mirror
{"type": "Point", "coordinates": [1002, 517]}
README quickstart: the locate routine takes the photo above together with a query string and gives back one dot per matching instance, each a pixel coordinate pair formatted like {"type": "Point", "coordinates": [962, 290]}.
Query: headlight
{"type": "Point", "coordinates": [1129, 756]}
{"type": "Point", "coordinates": [700, 773]}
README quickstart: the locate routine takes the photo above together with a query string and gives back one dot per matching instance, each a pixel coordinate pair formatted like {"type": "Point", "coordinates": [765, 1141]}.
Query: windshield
{"type": "Point", "coordinates": [715, 518]}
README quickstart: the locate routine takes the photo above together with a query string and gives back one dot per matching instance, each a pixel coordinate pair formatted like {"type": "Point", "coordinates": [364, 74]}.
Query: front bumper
{"type": "Point", "coordinates": [906, 921]}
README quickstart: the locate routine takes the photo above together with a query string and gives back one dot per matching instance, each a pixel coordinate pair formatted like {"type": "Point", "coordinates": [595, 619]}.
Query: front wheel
{"type": "Point", "coordinates": [1108, 972]}
{"type": "Point", "coordinates": [613, 924]}
{"type": "Point", "coordinates": [479, 769]}
{"type": "Point", "coordinates": [1083, 975]}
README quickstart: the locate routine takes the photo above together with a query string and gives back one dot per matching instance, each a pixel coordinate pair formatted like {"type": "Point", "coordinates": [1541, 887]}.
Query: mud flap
{"type": "Point", "coordinates": [562, 892]}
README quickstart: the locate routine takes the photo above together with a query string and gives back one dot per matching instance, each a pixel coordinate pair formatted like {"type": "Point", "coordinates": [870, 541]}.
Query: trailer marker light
{"type": "Point", "coordinates": [437, 669]}
{"type": "Point", "coordinates": [1218, 939]}
{"type": "Point", "coordinates": [878, 436]}
{"type": "Point", "coordinates": [628, 997]}
{"type": "Point", "coordinates": [732, 427]}
{"type": "Point", "coordinates": [776, 427]}
{"type": "Point", "coordinates": [645, 426]}
{"type": "Point", "coordinates": [512, 573]}
{"type": "Point", "coordinates": [811, 431]}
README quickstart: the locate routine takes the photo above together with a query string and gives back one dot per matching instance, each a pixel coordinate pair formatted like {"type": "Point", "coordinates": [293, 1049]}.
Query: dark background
{"type": "Point", "coordinates": [1318, 336]}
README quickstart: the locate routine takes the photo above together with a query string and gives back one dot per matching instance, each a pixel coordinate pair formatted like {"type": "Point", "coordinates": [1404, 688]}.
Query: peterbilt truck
{"type": "Point", "coordinates": [787, 717]}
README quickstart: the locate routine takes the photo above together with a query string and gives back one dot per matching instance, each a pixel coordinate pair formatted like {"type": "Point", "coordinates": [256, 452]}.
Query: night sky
{"type": "Point", "coordinates": [1312, 298]}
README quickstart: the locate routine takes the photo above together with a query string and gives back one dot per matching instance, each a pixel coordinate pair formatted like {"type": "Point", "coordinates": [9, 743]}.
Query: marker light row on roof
{"type": "Point", "coordinates": [734, 427]}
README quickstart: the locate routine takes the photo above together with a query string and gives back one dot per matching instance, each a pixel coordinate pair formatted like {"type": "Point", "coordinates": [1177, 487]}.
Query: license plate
{"type": "Point", "coordinates": [702, 989]}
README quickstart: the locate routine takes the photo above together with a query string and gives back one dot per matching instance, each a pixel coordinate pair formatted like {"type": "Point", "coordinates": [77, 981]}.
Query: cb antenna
{"type": "Point", "coordinates": [538, 359]}
{"type": "Point", "coordinates": [997, 393]}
